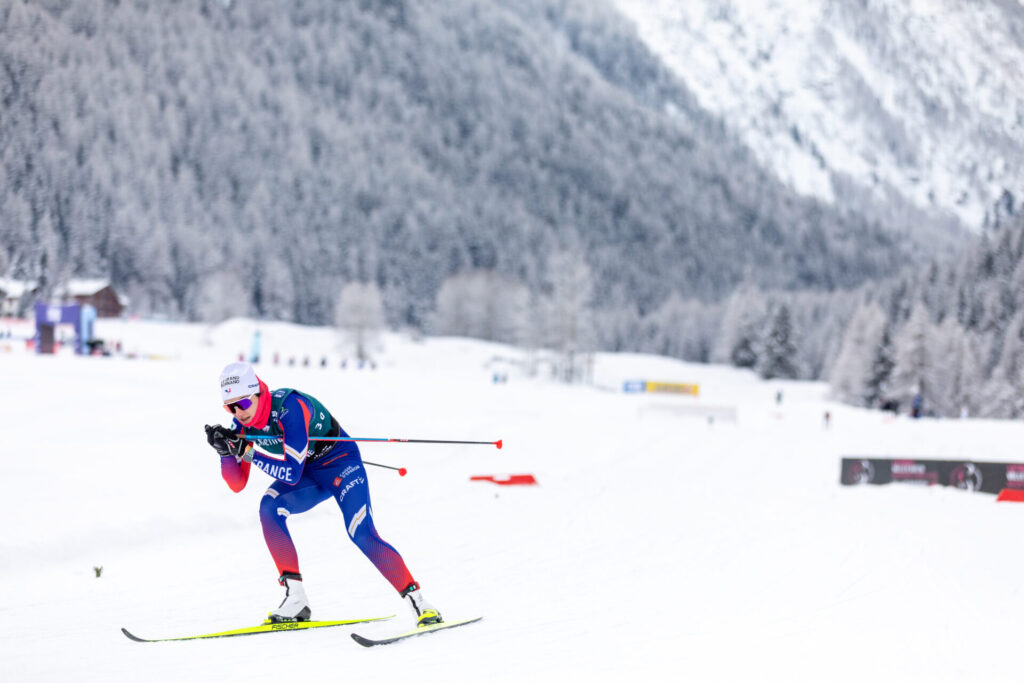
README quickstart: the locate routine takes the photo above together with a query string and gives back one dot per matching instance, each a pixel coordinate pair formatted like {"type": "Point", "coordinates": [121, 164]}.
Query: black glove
{"type": "Point", "coordinates": [224, 441]}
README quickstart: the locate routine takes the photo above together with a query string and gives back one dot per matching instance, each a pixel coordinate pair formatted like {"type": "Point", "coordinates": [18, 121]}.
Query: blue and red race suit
{"type": "Point", "coordinates": [308, 473]}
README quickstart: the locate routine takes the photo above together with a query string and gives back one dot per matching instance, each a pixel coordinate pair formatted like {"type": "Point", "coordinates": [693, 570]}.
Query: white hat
{"type": "Point", "coordinates": [238, 380]}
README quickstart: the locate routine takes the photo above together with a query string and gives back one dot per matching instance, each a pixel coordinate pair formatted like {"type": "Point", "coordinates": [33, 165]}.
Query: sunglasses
{"type": "Point", "coordinates": [242, 403]}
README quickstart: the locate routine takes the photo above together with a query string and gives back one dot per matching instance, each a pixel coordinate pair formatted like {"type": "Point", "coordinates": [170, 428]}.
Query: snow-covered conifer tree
{"type": "Point", "coordinates": [880, 372]}
{"type": "Point", "coordinates": [957, 379]}
{"type": "Point", "coordinates": [914, 369]}
{"type": "Point", "coordinates": [778, 347]}
{"type": "Point", "coordinates": [852, 370]}
{"type": "Point", "coordinates": [221, 295]}
{"type": "Point", "coordinates": [740, 336]}
{"type": "Point", "coordinates": [571, 322]}
{"type": "Point", "coordinates": [360, 313]}
{"type": "Point", "coordinates": [1003, 396]}
{"type": "Point", "coordinates": [455, 307]}
{"type": "Point", "coordinates": [482, 304]}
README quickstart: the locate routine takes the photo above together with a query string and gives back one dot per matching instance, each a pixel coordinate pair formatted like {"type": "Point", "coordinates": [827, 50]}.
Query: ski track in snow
{"type": "Point", "coordinates": [658, 546]}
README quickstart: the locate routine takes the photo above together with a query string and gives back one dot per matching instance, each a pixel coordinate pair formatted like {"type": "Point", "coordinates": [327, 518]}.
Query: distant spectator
{"type": "Point", "coordinates": [890, 405]}
{"type": "Point", "coordinates": [254, 350]}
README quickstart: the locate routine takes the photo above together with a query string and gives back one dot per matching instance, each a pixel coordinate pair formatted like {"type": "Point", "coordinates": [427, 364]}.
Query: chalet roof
{"type": "Point", "coordinates": [84, 287]}
{"type": "Point", "coordinates": [15, 289]}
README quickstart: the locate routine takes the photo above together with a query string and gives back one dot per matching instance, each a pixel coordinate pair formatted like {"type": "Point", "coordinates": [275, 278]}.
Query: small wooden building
{"type": "Point", "coordinates": [12, 296]}
{"type": "Point", "coordinates": [97, 293]}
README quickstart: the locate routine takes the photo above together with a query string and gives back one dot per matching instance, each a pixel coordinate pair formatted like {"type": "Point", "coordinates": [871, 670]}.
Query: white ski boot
{"type": "Point", "coordinates": [295, 606]}
{"type": "Point", "coordinates": [424, 613]}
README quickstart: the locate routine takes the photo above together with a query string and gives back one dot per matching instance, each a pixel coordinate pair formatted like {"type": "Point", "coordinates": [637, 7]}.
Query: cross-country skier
{"type": "Point", "coordinates": [307, 473]}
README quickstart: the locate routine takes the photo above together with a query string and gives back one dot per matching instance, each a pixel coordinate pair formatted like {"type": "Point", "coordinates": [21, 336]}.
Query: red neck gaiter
{"type": "Point", "coordinates": [259, 420]}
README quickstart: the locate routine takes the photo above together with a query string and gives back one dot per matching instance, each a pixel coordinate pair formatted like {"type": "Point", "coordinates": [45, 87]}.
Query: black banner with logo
{"type": "Point", "coordinates": [987, 477]}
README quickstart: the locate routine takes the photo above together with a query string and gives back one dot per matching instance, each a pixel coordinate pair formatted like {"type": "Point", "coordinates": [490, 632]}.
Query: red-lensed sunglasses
{"type": "Point", "coordinates": [242, 403]}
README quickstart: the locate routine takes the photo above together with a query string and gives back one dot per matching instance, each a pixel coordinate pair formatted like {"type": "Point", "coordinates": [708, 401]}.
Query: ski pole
{"type": "Point", "coordinates": [347, 438]}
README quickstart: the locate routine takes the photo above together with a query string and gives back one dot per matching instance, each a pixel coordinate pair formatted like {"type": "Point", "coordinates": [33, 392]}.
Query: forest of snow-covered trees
{"type": "Point", "coordinates": [169, 146]}
{"type": "Point", "coordinates": [953, 332]}
{"type": "Point", "coordinates": [526, 172]}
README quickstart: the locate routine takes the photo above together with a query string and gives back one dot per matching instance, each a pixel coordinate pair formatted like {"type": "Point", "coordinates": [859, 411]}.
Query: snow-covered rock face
{"type": "Point", "coordinates": [921, 97]}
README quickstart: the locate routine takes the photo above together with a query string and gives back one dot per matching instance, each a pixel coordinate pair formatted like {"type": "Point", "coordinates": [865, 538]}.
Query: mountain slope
{"type": "Point", "coordinates": [920, 102]}
{"type": "Point", "coordinates": [255, 156]}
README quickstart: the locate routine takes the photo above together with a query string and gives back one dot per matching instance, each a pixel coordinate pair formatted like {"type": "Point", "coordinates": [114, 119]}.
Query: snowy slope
{"type": "Point", "coordinates": [923, 98]}
{"type": "Point", "coordinates": [657, 546]}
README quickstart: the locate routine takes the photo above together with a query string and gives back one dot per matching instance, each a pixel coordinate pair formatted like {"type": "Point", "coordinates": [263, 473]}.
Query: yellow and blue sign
{"type": "Point", "coordinates": [640, 386]}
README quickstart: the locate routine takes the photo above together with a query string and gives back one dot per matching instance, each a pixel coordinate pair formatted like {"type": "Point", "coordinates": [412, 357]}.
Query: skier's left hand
{"type": "Point", "coordinates": [224, 441]}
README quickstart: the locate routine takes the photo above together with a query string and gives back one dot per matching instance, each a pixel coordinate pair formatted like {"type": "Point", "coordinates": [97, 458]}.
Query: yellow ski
{"type": "Point", "coordinates": [262, 628]}
{"type": "Point", "coordinates": [422, 630]}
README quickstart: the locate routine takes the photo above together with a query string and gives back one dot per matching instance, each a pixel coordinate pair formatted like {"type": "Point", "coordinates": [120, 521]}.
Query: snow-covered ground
{"type": "Point", "coordinates": [657, 546]}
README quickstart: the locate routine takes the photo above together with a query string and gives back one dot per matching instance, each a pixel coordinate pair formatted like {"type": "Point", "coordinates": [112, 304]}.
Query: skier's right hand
{"type": "Point", "coordinates": [224, 441]}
